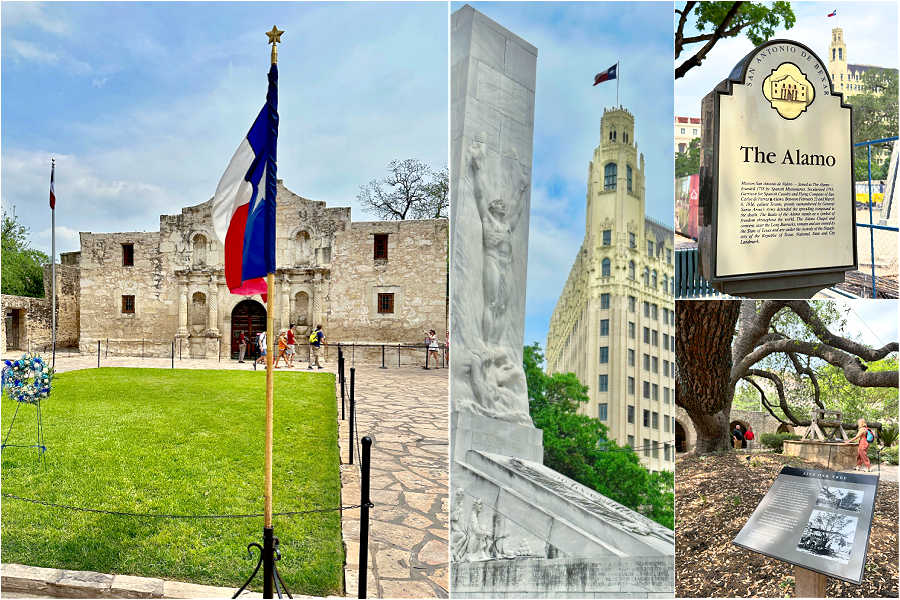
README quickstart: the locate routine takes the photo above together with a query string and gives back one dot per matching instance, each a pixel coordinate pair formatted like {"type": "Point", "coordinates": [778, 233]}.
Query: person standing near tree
{"type": "Point", "coordinates": [316, 339]}
{"type": "Point", "coordinates": [864, 435]}
{"type": "Point", "coordinates": [737, 437]}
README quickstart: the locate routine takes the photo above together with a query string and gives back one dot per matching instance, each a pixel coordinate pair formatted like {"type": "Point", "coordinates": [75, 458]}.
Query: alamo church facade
{"type": "Point", "coordinates": [364, 282]}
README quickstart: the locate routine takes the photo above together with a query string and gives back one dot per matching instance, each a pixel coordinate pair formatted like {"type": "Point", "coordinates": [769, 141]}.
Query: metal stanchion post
{"type": "Point", "coordinates": [352, 409]}
{"type": "Point", "coordinates": [107, 348]}
{"type": "Point", "coordinates": [398, 356]}
{"type": "Point", "coordinates": [364, 516]}
{"type": "Point", "coordinates": [173, 354]}
{"type": "Point", "coordinates": [98, 354]}
{"type": "Point", "coordinates": [382, 357]}
{"type": "Point", "coordinates": [426, 358]}
{"type": "Point", "coordinates": [341, 379]}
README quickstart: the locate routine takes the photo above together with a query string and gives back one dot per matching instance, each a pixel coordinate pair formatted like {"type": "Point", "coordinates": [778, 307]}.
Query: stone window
{"type": "Point", "coordinates": [666, 395]}
{"type": "Point", "coordinates": [632, 242]}
{"type": "Point", "coordinates": [604, 354]}
{"type": "Point", "coordinates": [604, 301]}
{"type": "Point", "coordinates": [667, 449]}
{"type": "Point", "coordinates": [665, 283]}
{"type": "Point", "coordinates": [128, 255]}
{"type": "Point", "coordinates": [601, 411]}
{"type": "Point", "coordinates": [385, 303]}
{"type": "Point", "coordinates": [200, 248]}
{"type": "Point", "coordinates": [628, 173]}
{"type": "Point", "coordinates": [654, 312]}
{"type": "Point", "coordinates": [631, 441]}
{"type": "Point", "coordinates": [381, 246]}
{"type": "Point", "coordinates": [646, 335]}
{"type": "Point", "coordinates": [609, 177]}
{"type": "Point", "coordinates": [630, 357]}
{"type": "Point", "coordinates": [631, 390]}
{"type": "Point", "coordinates": [655, 450]}
{"type": "Point", "coordinates": [655, 420]}
{"type": "Point", "coordinates": [646, 309]}
{"type": "Point", "coordinates": [650, 248]}
{"type": "Point", "coordinates": [128, 305]}
{"type": "Point", "coordinates": [303, 248]}
{"type": "Point", "coordinates": [647, 390]}
{"type": "Point", "coordinates": [198, 309]}
{"type": "Point", "coordinates": [665, 368]}
{"type": "Point", "coordinates": [647, 276]}
{"type": "Point", "coordinates": [603, 383]}
{"type": "Point", "coordinates": [653, 280]}
{"type": "Point", "coordinates": [631, 330]}
{"type": "Point", "coordinates": [631, 275]}
{"type": "Point", "coordinates": [607, 237]}
{"type": "Point", "coordinates": [632, 301]}
{"type": "Point", "coordinates": [655, 338]}
{"type": "Point", "coordinates": [666, 429]}
{"type": "Point", "coordinates": [630, 413]}
{"type": "Point", "coordinates": [654, 362]}
{"type": "Point", "coordinates": [646, 362]}
{"type": "Point", "coordinates": [646, 418]}
{"type": "Point", "coordinates": [604, 326]}
{"type": "Point", "coordinates": [606, 267]}
{"type": "Point", "coordinates": [655, 391]}
{"type": "Point", "coordinates": [646, 447]}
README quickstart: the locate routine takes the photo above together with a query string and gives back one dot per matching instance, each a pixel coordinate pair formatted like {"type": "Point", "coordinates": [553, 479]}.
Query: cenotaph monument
{"type": "Point", "coordinates": [518, 528]}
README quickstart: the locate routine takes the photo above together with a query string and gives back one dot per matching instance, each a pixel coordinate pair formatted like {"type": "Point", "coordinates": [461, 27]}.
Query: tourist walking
{"type": "Point", "coordinates": [432, 344]}
{"type": "Point", "coordinates": [737, 437]}
{"type": "Point", "coordinates": [291, 346]}
{"type": "Point", "coordinates": [864, 435]}
{"type": "Point", "coordinates": [282, 348]}
{"type": "Point", "coordinates": [261, 342]}
{"type": "Point", "coordinates": [749, 435]}
{"type": "Point", "coordinates": [242, 347]}
{"type": "Point", "coordinates": [316, 339]}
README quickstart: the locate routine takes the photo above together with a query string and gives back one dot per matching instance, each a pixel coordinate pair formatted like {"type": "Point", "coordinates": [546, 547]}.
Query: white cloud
{"type": "Point", "coordinates": [33, 13]}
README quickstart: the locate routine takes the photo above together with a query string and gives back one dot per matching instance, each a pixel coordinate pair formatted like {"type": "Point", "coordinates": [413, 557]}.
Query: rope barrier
{"type": "Point", "coordinates": [118, 513]}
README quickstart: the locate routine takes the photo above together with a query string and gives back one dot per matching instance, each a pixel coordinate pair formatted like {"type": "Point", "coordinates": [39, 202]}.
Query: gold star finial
{"type": "Point", "coordinates": [274, 38]}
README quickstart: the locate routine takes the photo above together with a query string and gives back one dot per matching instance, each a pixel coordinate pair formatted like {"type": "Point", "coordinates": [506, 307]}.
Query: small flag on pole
{"type": "Point", "coordinates": [606, 75]}
{"type": "Point", "coordinates": [52, 195]}
{"type": "Point", "coordinates": [832, 13]}
{"type": "Point", "coordinates": [244, 205]}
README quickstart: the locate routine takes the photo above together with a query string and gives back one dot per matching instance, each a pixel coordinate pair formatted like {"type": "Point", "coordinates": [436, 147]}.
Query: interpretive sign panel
{"type": "Point", "coordinates": [818, 520]}
{"type": "Point", "coordinates": [776, 188]}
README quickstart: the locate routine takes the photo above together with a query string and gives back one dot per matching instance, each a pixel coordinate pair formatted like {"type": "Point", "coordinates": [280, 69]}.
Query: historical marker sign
{"type": "Point", "coordinates": [819, 520]}
{"type": "Point", "coordinates": [776, 189]}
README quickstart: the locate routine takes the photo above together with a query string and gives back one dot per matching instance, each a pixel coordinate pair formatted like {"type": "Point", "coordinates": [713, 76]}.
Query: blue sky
{"type": "Point", "coordinates": [574, 42]}
{"type": "Point", "coordinates": [870, 34]}
{"type": "Point", "coordinates": [143, 104]}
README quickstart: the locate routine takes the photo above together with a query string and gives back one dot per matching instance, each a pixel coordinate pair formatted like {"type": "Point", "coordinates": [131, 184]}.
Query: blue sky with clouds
{"type": "Point", "coordinates": [143, 104]}
{"type": "Point", "coordinates": [574, 42]}
{"type": "Point", "coordinates": [870, 34]}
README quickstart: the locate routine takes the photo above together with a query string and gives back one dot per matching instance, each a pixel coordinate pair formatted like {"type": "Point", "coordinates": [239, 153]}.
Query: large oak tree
{"type": "Point", "coordinates": [721, 342]}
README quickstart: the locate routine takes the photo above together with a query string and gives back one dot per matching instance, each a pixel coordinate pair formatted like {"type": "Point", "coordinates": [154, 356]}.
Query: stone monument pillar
{"type": "Point", "coordinates": [212, 302]}
{"type": "Point", "coordinates": [518, 528]}
{"type": "Point", "coordinates": [182, 331]}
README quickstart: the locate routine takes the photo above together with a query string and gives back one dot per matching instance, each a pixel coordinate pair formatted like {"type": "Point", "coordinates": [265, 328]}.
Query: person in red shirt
{"type": "Point", "coordinates": [291, 344]}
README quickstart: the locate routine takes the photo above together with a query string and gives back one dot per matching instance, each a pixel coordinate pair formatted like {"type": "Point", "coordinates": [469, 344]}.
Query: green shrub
{"type": "Point", "coordinates": [889, 455]}
{"type": "Point", "coordinates": [775, 441]}
{"type": "Point", "coordinates": [888, 435]}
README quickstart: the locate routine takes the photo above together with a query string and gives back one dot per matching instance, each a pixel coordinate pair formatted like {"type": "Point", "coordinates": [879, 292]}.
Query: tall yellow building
{"type": "Point", "coordinates": [614, 322]}
{"type": "Point", "coordinates": [845, 77]}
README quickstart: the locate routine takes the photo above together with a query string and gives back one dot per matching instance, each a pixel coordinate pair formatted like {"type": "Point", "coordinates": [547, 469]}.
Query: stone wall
{"type": "Point", "coordinates": [760, 422]}
{"type": "Point", "coordinates": [34, 316]}
{"type": "Point", "coordinates": [415, 272]}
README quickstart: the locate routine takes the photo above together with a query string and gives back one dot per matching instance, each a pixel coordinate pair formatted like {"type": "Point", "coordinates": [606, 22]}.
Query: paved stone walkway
{"type": "Point", "coordinates": [405, 412]}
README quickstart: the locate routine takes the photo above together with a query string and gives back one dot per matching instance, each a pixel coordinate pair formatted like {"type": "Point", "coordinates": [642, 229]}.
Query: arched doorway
{"type": "Point", "coordinates": [680, 438]}
{"type": "Point", "coordinates": [744, 428]}
{"type": "Point", "coordinates": [784, 428]}
{"type": "Point", "coordinates": [249, 318]}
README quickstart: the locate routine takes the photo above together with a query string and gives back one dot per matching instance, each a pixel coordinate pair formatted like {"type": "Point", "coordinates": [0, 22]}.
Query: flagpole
{"type": "Point", "coordinates": [618, 76]}
{"type": "Point", "coordinates": [53, 262]}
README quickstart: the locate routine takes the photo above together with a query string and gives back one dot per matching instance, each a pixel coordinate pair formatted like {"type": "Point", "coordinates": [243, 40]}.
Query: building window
{"type": "Point", "coordinates": [604, 326]}
{"type": "Point", "coordinates": [666, 397]}
{"type": "Point", "coordinates": [666, 449]}
{"type": "Point", "coordinates": [655, 449]}
{"type": "Point", "coordinates": [605, 267]}
{"type": "Point", "coordinates": [128, 305]}
{"type": "Point", "coordinates": [632, 241]}
{"type": "Point", "coordinates": [630, 414]}
{"type": "Point", "coordinates": [630, 330]}
{"type": "Point", "coordinates": [631, 386]}
{"type": "Point", "coordinates": [682, 131]}
{"type": "Point", "coordinates": [646, 390]}
{"type": "Point", "coordinates": [631, 270]}
{"type": "Point", "coordinates": [646, 362]}
{"type": "Point", "coordinates": [654, 312]}
{"type": "Point", "coordinates": [666, 341]}
{"type": "Point", "coordinates": [603, 383]}
{"type": "Point", "coordinates": [128, 256]}
{"type": "Point", "coordinates": [655, 392]}
{"type": "Point", "coordinates": [653, 280]}
{"type": "Point", "coordinates": [650, 248]}
{"type": "Point", "coordinates": [381, 246]}
{"type": "Point", "coordinates": [656, 420]}
{"type": "Point", "coordinates": [632, 302]}
{"type": "Point", "coordinates": [655, 364]}
{"type": "Point", "coordinates": [631, 357]}
{"type": "Point", "coordinates": [609, 176]}
{"type": "Point", "coordinates": [655, 337]}
{"type": "Point", "coordinates": [646, 335]}
{"type": "Point", "coordinates": [631, 441]}
{"type": "Point", "coordinates": [646, 309]}
{"type": "Point", "coordinates": [665, 283]}
{"type": "Point", "coordinates": [669, 256]}
{"type": "Point", "coordinates": [604, 354]}
{"type": "Point", "coordinates": [628, 172]}
{"type": "Point", "coordinates": [841, 54]}
{"type": "Point", "coordinates": [646, 418]}
{"type": "Point", "coordinates": [607, 237]}
{"type": "Point", "coordinates": [672, 343]}
{"type": "Point", "coordinates": [646, 447]}
{"type": "Point", "coordinates": [665, 368]}
{"type": "Point", "coordinates": [601, 411]}
{"type": "Point", "coordinates": [666, 426]}
{"type": "Point", "coordinates": [647, 276]}
{"type": "Point", "coordinates": [385, 303]}
{"type": "Point", "coordinates": [604, 301]}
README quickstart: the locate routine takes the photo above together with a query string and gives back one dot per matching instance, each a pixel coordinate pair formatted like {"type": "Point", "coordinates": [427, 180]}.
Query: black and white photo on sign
{"type": "Point", "coordinates": [828, 535]}
{"type": "Point", "coordinates": [839, 498]}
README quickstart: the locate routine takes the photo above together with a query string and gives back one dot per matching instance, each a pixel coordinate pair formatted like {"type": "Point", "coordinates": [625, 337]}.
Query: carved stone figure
{"type": "Point", "coordinates": [458, 537]}
{"type": "Point", "coordinates": [479, 542]}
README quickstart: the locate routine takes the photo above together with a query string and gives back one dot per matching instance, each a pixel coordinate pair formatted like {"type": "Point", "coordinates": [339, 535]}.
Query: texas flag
{"type": "Point", "coordinates": [832, 13]}
{"type": "Point", "coordinates": [243, 208]}
{"type": "Point", "coordinates": [606, 75]}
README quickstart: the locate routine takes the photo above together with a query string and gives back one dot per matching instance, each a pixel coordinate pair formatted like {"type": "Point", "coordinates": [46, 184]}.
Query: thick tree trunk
{"type": "Point", "coordinates": [703, 335]}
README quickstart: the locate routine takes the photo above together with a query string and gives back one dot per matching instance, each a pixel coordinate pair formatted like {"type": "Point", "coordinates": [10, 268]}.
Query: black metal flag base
{"type": "Point", "coordinates": [268, 554]}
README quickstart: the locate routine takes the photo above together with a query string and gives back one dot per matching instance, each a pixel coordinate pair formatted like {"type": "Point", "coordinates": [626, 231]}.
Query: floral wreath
{"type": "Point", "coordinates": [28, 379]}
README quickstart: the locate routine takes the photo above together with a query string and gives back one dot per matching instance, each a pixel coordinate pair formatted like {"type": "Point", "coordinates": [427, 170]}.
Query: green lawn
{"type": "Point", "coordinates": [177, 442]}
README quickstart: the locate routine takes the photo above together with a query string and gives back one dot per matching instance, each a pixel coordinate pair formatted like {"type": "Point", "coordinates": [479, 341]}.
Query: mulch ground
{"type": "Point", "coordinates": [715, 496]}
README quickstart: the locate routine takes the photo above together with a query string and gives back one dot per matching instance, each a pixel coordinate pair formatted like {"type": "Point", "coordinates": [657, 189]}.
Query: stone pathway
{"type": "Point", "coordinates": [405, 412]}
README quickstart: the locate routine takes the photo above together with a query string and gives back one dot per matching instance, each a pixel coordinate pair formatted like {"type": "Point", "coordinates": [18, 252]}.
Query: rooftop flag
{"type": "Point", "coordinates": [832, 13]}
{"type": "Point", "coordinates": [606, 75]}
{"type": "Point", "coordinates": [52, 194]}
{"type": "Point", "coordinates": [244, 205]}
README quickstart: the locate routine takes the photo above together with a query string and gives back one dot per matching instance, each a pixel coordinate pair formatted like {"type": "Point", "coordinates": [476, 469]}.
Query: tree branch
{"type": "Point", "coordinates": [679, 33]}
{"type": "Point", "coordinates": [765, 401]}
{"type": "Point", "coordinates": [782, 401]}
{"type": "Point", "coordinates": [696, 59]}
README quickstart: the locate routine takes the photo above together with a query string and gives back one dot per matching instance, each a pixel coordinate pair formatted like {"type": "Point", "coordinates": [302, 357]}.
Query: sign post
{"type": "Point", "coordinates": [777, 204]}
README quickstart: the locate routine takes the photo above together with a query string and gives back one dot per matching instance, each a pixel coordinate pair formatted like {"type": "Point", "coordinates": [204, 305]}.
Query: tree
{"type": "Point", "coordinates": [727, 19]}
{"type": "Point", "coordinates": [577, 446]}
{"type": "Point", "coordinates": [411, 190]}
{"type": "Point", "coordinates": [688, 163]}
{"type": "Point", "coordinates": [21, 265]}
{"type": "Point", "coordinates": [721, 342]}
{"type": "Point", "coordinates": [875, 116]}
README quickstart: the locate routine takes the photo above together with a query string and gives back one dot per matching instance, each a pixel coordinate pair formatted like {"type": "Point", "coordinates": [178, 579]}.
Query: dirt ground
{"type": "Point", "coordinates": [715, 496]}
